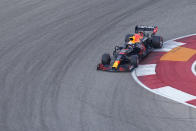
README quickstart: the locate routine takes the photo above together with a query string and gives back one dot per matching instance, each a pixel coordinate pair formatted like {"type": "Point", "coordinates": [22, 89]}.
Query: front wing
{"type": "Point", "coordinates": [121, 68]}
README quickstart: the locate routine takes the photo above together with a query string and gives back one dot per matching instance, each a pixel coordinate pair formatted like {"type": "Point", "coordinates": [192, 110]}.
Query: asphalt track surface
{"type": "Point", "coordinates": [48, 55]}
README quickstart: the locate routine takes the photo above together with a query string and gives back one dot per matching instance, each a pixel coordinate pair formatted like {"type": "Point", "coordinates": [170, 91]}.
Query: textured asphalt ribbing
{"type": "Point", "coordinates": [48, 55]}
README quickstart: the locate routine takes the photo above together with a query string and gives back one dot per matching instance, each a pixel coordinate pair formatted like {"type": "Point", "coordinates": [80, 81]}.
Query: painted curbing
{"type": "Point", "coordinates": [161, 88]}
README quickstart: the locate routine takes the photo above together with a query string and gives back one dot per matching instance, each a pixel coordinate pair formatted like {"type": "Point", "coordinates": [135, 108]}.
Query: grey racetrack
{"type": "Point", "coordinates": [48, 55]}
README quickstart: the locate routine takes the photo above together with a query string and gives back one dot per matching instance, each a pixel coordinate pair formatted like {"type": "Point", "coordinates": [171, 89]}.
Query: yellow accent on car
{"type": "Point", "coordinates": [115, 65]}
{"type": "Point", "coordinates": [132, 39]}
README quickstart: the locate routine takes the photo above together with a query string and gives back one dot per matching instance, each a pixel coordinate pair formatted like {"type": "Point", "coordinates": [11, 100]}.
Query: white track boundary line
{"type": "Point", "coordinates": [193, 68]}
{"type": "Point", "coordinates": [169, 45]}
{"type": "Point", "coordinates": [175, 94]}
{"type": "Point", "coordinates": [183, 36]}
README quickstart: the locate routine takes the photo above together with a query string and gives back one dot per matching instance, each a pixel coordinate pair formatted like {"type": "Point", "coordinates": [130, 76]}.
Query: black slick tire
{"type": "Point", "coordinates": [157, 42]}
{"type": "Point", "coordinates": [105, 59]}
{"type": "Point", "coordinates": [135, 60]}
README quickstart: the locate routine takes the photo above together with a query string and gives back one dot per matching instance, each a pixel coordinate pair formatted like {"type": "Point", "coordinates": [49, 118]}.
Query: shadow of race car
{"type": "Point", "coordinates": [137, 46]}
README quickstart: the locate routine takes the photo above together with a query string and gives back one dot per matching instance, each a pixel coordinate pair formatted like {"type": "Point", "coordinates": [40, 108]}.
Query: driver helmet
{"type": "Point", "coordinates": [134, 39]}
{"type": "Point", "coordinates": [131, 40]}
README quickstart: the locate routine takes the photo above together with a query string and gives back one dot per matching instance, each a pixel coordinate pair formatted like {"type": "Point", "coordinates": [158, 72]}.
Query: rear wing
{"type": "Point", "coordinates": [143, 28]}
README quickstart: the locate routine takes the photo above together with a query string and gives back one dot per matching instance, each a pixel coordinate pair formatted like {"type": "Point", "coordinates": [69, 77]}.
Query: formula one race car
{"type": "Point", "coordinates": [136, 47]}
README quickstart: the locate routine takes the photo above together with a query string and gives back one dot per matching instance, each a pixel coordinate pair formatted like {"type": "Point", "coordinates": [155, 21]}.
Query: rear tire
{"type": "Point", "coordinates": [106, 59]}
{"type": "Point", "coordinates": [157, 42]}
{"type": "Point", "coordinates": [135, 60]}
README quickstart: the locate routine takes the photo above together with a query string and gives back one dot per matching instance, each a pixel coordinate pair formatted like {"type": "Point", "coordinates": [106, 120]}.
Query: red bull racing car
{"type": "Point", "coordinates": [136, 47]}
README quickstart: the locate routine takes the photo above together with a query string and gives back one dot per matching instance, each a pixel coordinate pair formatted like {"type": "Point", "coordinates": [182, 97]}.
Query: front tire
{"type": "Point", "coordinates": [135, 60]}
{"type": "Point", "coordinates": [157, 42]}
{"type": "Point", "coordinates": [105, 59]}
